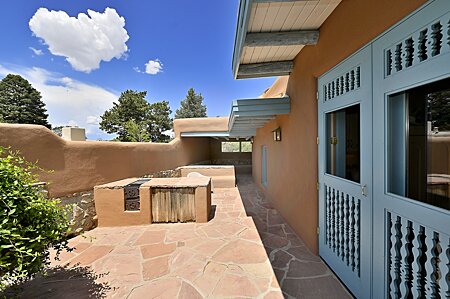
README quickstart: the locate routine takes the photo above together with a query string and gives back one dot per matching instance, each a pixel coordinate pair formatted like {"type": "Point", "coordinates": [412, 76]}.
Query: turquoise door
{"type": "Point", "coordinates": [411, 100]}
{"type": "Point", "coordinates": [386, 233]}
{"type": "Point", "coordinates": [345, 171]}
{"type": "Point", "coordinates": [264, 165]}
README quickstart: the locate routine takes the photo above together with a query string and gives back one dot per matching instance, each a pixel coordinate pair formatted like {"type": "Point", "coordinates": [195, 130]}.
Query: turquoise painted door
{"type": "Point", "coordinates": [345, 171]}
{"type": "Point", "coordinates": [386, 233]}
{"type": "Point", "coordinates": [264, 165]}
{"type": "Point", "coordinates": [411, 84]}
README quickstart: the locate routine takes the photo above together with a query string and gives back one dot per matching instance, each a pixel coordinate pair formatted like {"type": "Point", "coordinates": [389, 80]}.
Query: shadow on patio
{"type": "Point", "coordinates": [300, 273]}
{"type": "Point", "coordinates": [61, 282]}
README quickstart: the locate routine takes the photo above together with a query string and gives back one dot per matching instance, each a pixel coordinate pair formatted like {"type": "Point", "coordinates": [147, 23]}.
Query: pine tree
{"type": "Point", "coordinates": [132, 118]}
{"type": "Point", "coordinates": [21, 103]}
{"type": "Point", "coordinates": [191, 106]}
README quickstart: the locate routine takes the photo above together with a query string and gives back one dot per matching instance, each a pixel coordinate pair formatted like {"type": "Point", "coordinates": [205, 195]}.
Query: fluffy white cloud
{"type": "Point", "coordinates": [84, 40]}
{"type": "Point", "coordinates": [37, 52]}
{"type": "Point", "coordinates": [93, 120]}
{"type": "Point", "coordinates": [153, 67]}
{"type": "Point", "coordinates": [68, 101]}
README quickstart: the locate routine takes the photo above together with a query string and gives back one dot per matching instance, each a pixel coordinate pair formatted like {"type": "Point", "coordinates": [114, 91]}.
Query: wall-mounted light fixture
{"type": "Point", "coordinates": [277, 134]}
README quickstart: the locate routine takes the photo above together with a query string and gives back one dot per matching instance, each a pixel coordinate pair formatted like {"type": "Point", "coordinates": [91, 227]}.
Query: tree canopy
{"type": "Point", "coordinates": [21, 103]}
{"type": "Point", "coordinates": [192, 106]}
{"type": "Point", "coordinates": [134, 119]}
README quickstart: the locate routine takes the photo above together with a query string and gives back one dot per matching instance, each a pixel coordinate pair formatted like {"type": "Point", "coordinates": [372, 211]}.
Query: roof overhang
{"type": "Point", "coordinates": [270, 33]}
{"type": "Point", "coordinates": [247, 115]}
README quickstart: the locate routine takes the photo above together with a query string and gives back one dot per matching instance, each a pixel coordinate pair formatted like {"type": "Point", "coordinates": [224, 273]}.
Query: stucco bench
{"type": "Point", "coordinates": [222, 176]}
{"type": "Point", "coordinates": [137, 201]}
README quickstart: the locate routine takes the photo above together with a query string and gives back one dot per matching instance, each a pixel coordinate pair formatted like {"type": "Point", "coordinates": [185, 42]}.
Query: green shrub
{"type": "Point", "coordinates": [29, 222]}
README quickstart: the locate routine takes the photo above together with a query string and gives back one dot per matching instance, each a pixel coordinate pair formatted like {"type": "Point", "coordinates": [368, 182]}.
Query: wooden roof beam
{"type": "Point", "coordinates": [286, 38]}
{"type": "Point", "coordinates": [266, 69]}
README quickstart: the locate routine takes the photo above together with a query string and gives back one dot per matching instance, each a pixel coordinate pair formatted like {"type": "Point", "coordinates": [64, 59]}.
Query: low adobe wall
{"type": "Point", "coordinates": [80, 165]}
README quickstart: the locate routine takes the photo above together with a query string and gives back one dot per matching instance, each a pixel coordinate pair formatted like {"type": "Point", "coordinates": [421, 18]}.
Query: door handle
{"type": "Point", "coordinates": [364, 190]}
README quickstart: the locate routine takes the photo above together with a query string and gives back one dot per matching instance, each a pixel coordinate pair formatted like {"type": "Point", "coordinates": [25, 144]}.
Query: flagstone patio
{"type": "Point", "coordinates": [246, 251]}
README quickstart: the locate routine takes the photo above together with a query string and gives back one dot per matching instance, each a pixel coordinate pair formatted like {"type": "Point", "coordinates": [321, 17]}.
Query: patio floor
{"type": "Point", "coordinates": [232, 256]}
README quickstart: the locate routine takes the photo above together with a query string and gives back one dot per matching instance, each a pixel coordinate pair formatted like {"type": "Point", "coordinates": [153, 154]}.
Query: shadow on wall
{"type": "Point", "coordinates": [79, 165]}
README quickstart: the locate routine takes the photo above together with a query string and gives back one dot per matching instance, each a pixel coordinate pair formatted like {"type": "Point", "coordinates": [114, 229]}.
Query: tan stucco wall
{"type": "Point", "coordinates": [80, 165]}
{"type": "Point", "coordinates": [292, 163]}
{"type": "Point", "coordinates": [201, 124]}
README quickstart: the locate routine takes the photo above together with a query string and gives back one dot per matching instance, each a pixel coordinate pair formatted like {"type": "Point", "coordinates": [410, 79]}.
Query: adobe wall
{"type": "Point", "coordinates": [292, 163]}
{"type": "Point", "coordinates": [200, 124]}
{"type": "Point", "coordinates": [80, 165]}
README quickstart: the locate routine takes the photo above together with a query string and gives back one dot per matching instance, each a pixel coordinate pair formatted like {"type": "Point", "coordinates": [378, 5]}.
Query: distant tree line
{"type": "Point", "coordinates": [132, 117]}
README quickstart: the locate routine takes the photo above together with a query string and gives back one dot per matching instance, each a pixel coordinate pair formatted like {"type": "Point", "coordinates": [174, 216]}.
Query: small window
{"type": "Point", "coordinates": [343, 143]}
{"type": "Point", "coordinates": [246, 146]}
{"type": "Point", "coordinates": [230, 147]}
{"type": "Point", "coordinates": [419, 144]}
{"type": "Point", "coordinates": [236, 146]}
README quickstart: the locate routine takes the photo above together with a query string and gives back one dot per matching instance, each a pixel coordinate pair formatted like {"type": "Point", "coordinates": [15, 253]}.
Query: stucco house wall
{"type": "Point", "coordinates": [292, 163]}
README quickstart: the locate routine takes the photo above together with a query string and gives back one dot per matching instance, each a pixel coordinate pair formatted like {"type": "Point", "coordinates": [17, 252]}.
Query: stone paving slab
{"type": "Point", "coordinates": [224, 258]}
{"type": "Point", "coordinates": [246, 251]}
{"type": "Point", "coordinates": [300, 273]}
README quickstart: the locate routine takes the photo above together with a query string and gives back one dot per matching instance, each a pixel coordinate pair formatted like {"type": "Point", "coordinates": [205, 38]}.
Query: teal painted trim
{"type": "Point", "coordinates": [241, 32]}
{"type": "Point", "coordinates": [205, 134]}
{"type": "Point", "coordinates": [258, 101]}
{"type": "Point", "coordinates": [251, 114]}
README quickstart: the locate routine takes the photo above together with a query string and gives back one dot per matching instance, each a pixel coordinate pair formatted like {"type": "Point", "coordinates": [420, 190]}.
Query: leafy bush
{"type": "Point", "coordinates": [29, 222]}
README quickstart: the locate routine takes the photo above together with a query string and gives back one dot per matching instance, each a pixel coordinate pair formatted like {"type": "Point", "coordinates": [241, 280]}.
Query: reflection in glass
{"type": "Point", "coordinates": [343, 143]}
{"type": "Point", "coordinates": [419, 144]}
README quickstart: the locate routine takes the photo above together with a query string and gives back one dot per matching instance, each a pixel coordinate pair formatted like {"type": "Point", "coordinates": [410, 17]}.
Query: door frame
{"type": "Point", "coordinates": [329, 101]}
{"type": "Point", "coordinates": [419, 73]}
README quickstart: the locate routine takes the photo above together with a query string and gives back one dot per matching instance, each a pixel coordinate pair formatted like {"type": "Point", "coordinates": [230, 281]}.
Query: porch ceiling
{"type": "Point", "coordinates": [270, 33]}
{"type": "Point", "coordinates": [247, 115]}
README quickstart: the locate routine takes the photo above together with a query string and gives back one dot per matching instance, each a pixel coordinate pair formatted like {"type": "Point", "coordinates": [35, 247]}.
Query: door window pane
{"type": "Point", "coordinates": [419, 144]}
{"type": "Point", "coordinates": [343, 143]}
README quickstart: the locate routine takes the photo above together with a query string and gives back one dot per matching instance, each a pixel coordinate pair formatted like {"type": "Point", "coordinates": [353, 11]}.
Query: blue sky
{"type": "Point", "coordinates": [185, 44]}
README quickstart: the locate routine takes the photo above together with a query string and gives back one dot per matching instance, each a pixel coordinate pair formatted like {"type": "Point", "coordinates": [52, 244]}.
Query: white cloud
{"type": "Point", "coordinates": [92, 120]}
{"type": "Point", "coordinates": [37, 52]}
{"type": "Point", "coordinates": [153, 67]}
{"type": "Point", "coordinates": [85, 40]}
{"type": "Point", "coordinates": [68, 101]}
{"type": "Point", "coordinates": [137, 70]}
{"type": "Point", "coordinates": [72, 123]}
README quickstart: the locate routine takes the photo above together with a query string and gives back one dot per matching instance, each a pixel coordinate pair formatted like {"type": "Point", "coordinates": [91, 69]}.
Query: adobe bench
{"type": "Point", "coordinates": [137, 201]}
{"type": "Point", "coordinates": [223, 176]}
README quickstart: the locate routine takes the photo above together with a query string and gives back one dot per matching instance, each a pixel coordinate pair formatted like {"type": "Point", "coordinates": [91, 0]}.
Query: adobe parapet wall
{"type": "Point", "coordinates": [80, 165]}
{"type": "Point", "coordinates": [201, 124]}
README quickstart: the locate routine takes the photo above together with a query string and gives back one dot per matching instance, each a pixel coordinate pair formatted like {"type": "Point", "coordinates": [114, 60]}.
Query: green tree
{"type": "Point", "coordinates": [137, 131]}
{"type": "Point", "coordinates": [30, 223]}
{"type": "Point", "coordinates": [58, 130]}
{"type": "Point", "coordinates": [159, 121]}
{"type": "Point", "coordinates": [439, 109]}
{"type": "Point", "coordinates": [132, 118]}
{"type": "Point", "coordinates": [191, 106]}
{"type": "Point", "coordinates": [21, 103]}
